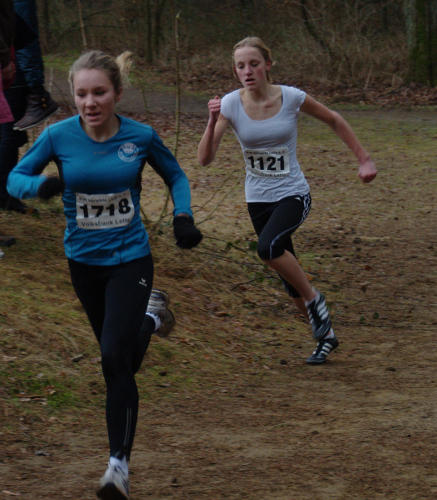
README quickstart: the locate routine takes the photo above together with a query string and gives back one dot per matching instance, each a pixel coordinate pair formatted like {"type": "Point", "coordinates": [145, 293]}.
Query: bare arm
{"type": "Point", "coordinates": [367, 170]}
{"type": "Point", "coordinates": [213, 134]}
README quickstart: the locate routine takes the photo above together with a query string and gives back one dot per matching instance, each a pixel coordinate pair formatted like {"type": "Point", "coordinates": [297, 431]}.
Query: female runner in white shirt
{"type": "Point", "coordinates": [264, 119]}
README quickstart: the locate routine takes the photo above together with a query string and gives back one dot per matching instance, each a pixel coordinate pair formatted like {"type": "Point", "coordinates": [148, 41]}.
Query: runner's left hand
{"type": "Point", "coordinates": [367, 171]}
{"type": "Point", "coordinates": [186, 233]}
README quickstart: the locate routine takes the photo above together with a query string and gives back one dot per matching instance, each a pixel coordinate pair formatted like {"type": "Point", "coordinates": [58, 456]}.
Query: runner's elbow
{"type": "Point", "coordinates": [336, 121]}
{"type": "Point", "coordinates": [204, 163]}
{"type": "Point", "coordinates": [204, 159]}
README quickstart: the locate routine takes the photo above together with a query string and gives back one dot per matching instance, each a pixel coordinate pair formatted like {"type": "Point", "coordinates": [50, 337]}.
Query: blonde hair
{"type": "Point", "coordinates": [117, 70]}
{"type": "Point", "coordinates": [257, 43]}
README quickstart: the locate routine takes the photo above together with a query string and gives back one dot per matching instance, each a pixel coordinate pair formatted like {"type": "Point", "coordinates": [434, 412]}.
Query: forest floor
{"type": "Point", "coordinates": [228, 407]}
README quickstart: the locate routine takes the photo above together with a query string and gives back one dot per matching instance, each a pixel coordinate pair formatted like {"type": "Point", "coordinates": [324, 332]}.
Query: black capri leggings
{"type": "Point", "coordinates": [115, 299]}
{"type": "Point", "coordinates": [274, 223]}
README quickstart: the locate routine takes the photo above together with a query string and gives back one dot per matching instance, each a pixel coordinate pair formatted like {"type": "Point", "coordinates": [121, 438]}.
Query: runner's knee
{"type": "Point", "coordinates": [267, 251]}
{"type": "Point", "coordinates": [114, 363]}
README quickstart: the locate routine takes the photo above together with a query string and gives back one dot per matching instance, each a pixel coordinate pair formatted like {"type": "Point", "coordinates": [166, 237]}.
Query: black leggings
{"type": "Point", "coordinates": [274, 224]}
{"type": "Point", "coordinates": [115, 299]}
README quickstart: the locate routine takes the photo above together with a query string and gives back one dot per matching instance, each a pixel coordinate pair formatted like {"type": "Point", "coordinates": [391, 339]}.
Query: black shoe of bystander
{"type": "Point", "coordinates": [40, 106]}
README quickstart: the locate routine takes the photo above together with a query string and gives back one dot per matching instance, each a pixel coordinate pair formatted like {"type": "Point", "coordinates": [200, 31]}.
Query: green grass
{"type": "Point", "coordinates": [60, 62]}
{"type": "Point", "coordinates": [25, 386]}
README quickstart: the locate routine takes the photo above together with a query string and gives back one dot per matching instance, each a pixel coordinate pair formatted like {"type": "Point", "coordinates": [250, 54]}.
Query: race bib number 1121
{"type": "Point", "coordinates": [104, 211]}
{"type": "Point", "coordinates": [267, 163]}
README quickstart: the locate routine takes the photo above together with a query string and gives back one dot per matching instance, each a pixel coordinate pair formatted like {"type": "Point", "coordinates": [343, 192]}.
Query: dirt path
{"type": "Point", "coordinates": [268, 426]}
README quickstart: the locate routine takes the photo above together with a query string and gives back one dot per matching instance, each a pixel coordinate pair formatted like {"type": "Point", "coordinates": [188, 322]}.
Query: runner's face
{"type": "Point", "coordinates": [95, 98]}
{"type": "Point", "coordinates": [251, 67]}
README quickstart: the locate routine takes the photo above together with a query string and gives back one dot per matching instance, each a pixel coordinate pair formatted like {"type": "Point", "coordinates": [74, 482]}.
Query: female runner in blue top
{"type": "Point", "coordinates": [264, 119]}
{"type": "Point", "coordinates": [100, 157]}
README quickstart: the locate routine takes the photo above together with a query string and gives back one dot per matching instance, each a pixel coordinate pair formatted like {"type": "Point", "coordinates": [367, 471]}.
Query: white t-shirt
{"type": "Point", "coordinates": [269, 147]}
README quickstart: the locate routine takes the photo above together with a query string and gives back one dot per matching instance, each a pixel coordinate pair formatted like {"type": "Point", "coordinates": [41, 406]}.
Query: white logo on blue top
{"type": "Point", "coordinates": [128, 152]}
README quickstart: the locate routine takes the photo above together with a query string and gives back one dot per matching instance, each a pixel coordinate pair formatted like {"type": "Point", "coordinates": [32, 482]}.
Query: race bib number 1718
{"type": "Point", "coordinates": [104, 211]}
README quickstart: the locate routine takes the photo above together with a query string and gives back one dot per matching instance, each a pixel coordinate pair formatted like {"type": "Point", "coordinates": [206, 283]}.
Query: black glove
{"type": "Point", "coordinates": [186, 233]}
{"type": "Point", "coordinates": [50, 187]}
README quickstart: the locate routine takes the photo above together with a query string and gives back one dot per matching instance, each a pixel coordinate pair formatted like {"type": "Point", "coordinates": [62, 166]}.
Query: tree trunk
{"type": "Point", "coordinates": [149, 32]}
{"type": "Point", "coordinates": [82, 24]}
{"type": "Point", "coordinates": [45, 34]}
{"type": "Point", "coordinates": [421, 23]}
{"type": "Point", "coordinates": [312, 30]}
{"type": "Point", "coordinates": [158, 36]}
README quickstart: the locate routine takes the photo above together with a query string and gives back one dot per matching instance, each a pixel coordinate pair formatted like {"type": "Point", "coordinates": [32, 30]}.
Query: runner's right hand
{"type": "Point", "coordinates": [214, 108]}
{"type": "Point", "coordinates": [50, 187]}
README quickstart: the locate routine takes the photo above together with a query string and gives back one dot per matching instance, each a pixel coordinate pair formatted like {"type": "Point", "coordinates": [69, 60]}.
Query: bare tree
{"type": "Point", "coordinates": [45, 33]}
{"type": "Point", "coordinates": [82, 24]}
{"type": "Point", "coordinates": [421, 22]}
{"type": "Point", "coordinates": [154, 27]}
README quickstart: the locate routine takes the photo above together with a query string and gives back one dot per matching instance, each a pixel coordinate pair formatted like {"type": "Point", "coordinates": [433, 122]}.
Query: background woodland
{"type": "Point", "coordinates": [342, 43]}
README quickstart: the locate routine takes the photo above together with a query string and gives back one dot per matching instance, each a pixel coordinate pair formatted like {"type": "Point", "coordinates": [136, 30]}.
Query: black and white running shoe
{"type": "Point", "coordinates": [114, 484]}
{"type": "Point", "coordinates": [324, 347]}
{"type": "Point", "coordinates": [158, 306]}
{"type": "Point", "coordinates": [319, 317]}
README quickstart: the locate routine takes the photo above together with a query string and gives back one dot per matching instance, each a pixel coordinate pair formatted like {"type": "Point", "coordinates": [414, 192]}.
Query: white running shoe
{"type": "Point", "coordinates": [158, 306]}
{"type": "Point", "coordinates": [114, 484]}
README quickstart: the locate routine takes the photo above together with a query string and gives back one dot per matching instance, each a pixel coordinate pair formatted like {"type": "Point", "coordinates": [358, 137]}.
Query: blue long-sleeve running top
{"type": "Point", "coordinates": [102, 186]}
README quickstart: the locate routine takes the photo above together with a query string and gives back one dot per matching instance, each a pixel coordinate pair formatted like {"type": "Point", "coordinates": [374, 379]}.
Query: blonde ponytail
{"type": "Point", "coordinates": [117, 70]}
{"type": "Point", "coordinates": [124, 62]}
